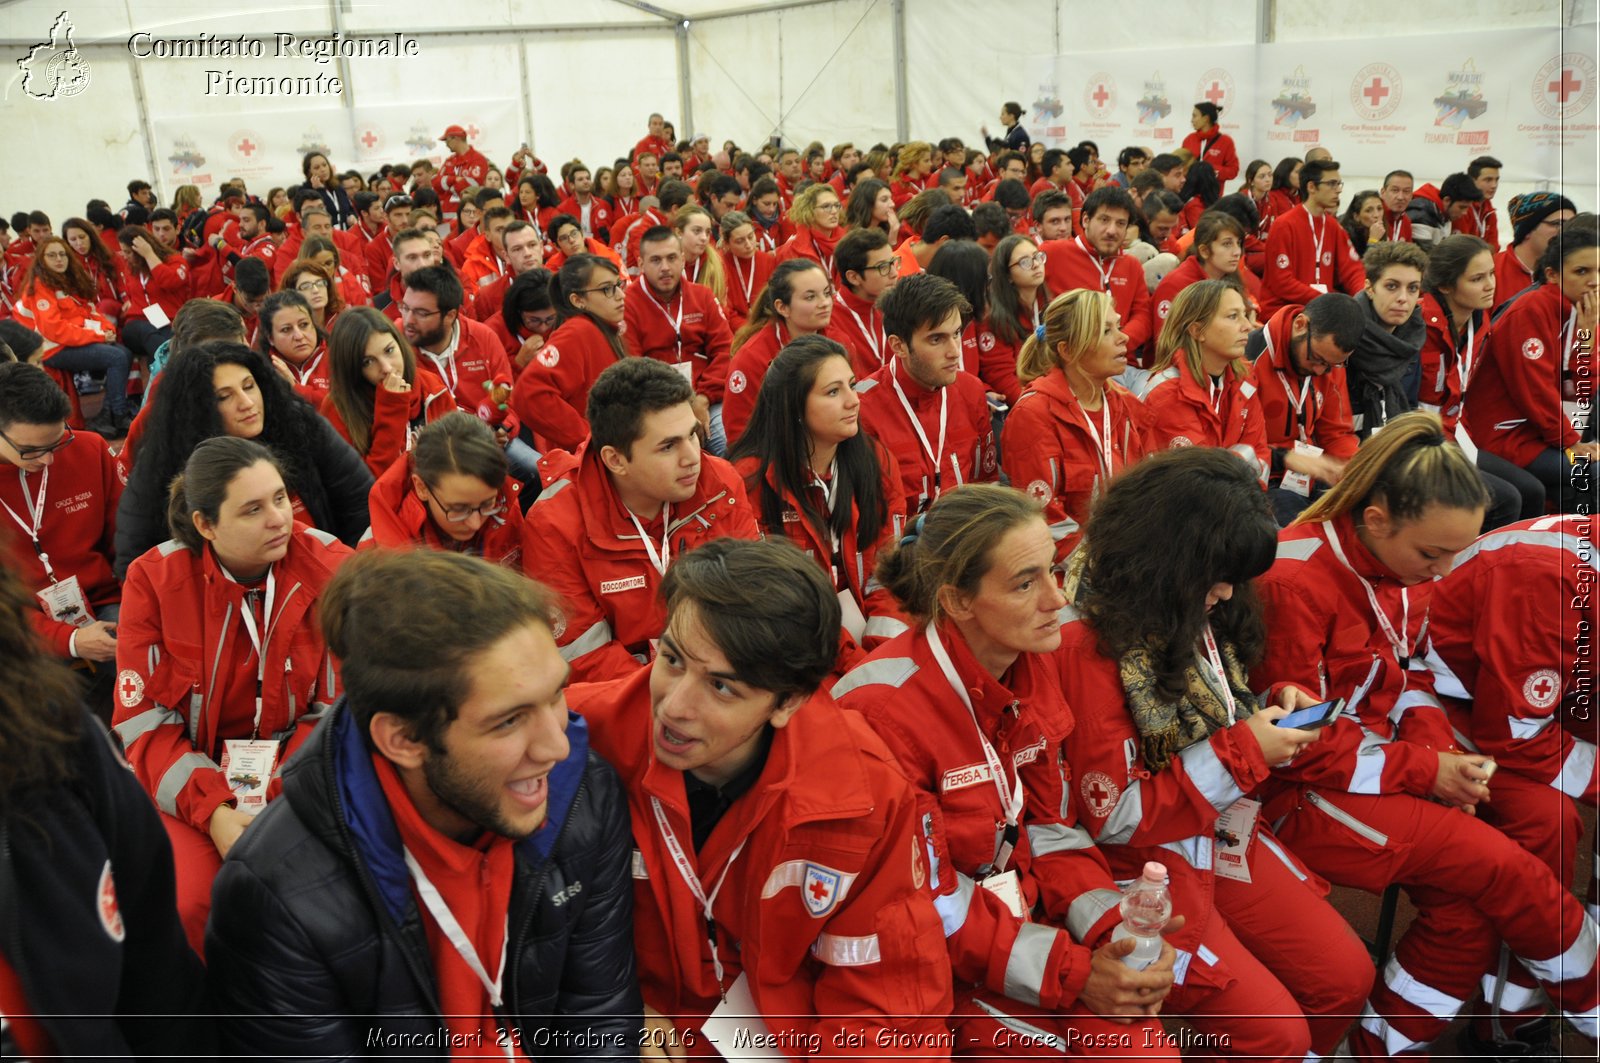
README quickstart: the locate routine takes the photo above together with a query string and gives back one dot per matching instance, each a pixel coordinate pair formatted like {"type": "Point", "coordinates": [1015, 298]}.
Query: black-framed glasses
{"type": "Point", "coordinates": [540, 323]}
{"type": "Point", "coordinates": [885, 269]}
{"type": "Point", "coordinates": [416, 312]}
{"type": "Point", "coordinates": [1030, 261]}
{"type": "Point", "coordinates": [610, 289]}
{"type": "Point", "coordinates": [1314, 359]}
{"type": "Point", "coordinates": [30, 453]}
{"type": "Point", "coordinates": [457, 514]}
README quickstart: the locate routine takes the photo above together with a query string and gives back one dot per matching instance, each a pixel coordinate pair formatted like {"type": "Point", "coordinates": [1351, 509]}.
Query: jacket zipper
{"type": "Point", "coordinates": [1334, 812]}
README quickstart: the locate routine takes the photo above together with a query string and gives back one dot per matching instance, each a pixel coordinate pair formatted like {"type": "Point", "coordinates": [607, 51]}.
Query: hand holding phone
{"type": "Point", "coordinates": [1312, 716]}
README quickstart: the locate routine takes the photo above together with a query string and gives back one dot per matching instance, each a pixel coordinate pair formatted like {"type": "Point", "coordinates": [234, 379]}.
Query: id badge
{"type": "Point", "coordinates": [851, 616]}
{"type": "Point", "coordinates": [736, 1029]}
{"type": "Point", "coordinates": [157, 316]}
{"type": "Point", "coordinates": [247, 765]}
{"type": "Point", "coordinates": [1008, 887]}
{"type": "Point", "coordinates": [1234, 829]}
{"type": "Point", "coordinates": [686, 370]}
{"type": "Point", "coordinates": [1297, 482]}
{"type": "Point", "coordinates": [63, 602]}
{"type": "Point", "coordinates": [1320, 289]}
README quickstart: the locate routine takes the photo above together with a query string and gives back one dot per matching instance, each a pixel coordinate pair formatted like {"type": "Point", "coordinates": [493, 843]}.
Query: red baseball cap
{"type": "Point", "coordinates": [454, 131]}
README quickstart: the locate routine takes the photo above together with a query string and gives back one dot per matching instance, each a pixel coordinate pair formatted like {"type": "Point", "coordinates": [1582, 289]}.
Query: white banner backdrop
{"type": "Point", "coordinates": [1429, 104]}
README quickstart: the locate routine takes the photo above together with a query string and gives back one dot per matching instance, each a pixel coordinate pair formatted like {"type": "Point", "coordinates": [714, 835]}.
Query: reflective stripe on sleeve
{"type": "Point", "coordinates": [136, 727]}
{"type": "Point", "coordinates": [1215, 783]}
{"type": "Point", "coordinates": [1087, 909]}
{"type": "Point", "coordinates": [1047, 838]}
{"type": "Point", "coordinates": [952, 907]}
{"type": "Point", "coordinates": [837, 950]}
{"type": "Point", "coordinates": [1025, 967]}
{"type": "Point", "coordinates": [595, 638]}
{"type": "Point", "coordinates": [177, 777]}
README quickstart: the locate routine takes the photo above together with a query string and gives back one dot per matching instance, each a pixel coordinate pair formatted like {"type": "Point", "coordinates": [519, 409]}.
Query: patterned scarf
{"type": "Point", "coordinates": [1167, 728]}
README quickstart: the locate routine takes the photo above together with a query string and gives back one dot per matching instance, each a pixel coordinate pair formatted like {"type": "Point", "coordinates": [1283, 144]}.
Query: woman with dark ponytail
{"type": "Point", "coordinates": [1376, 801]}
{"type": "Point", "coordinates": [551, 393]}
{"type": "Point", "coordinates": [222, 671]}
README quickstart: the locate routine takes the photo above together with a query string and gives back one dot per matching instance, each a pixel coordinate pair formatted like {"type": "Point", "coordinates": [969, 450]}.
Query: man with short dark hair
{"type": "Point", "coordinates": [411, 250]}
{"type": "Point", "coordinates": [1012, 197]}
{"type": "Point", "coordinates": [1480, 219]}
{"type": "Point", "coordinates": [1130, 161]}
{"type": "Point", "coordinates": [953, 181]}
{"type": "Point", "coordinates": [947, 222]}
{"type": "Point", "coordinates": [790, 170]}
{"type": "Point", "coordinates": [1299, 357]}
{"type": "Point", "coordinates": [930, 413]}
{"type": "Point", "coordinates": [448, 863]}
{"type": "Point", "coordinates": [379, 252]}
{"type": "Point", "coordinates": [1437, 210]}
{"type": "Point", "coordinates": [743, 776]}
{"type": "Point", "coordinates": [991, 223]}
{"type": "Point", "coordinates": [639, 494]}
{"type": "Point", "coordinates": [1056, 171]}
{"type": "Point", "coordinates": [1396, 192]}
{"type": "Point", "coordinates": [718, 193]}
{"type": "Point", "coordinates": [673, 194]}
{"type": "Point", "coordinates": [867, 268]}
{"type": "Point", "coordinates": [653, 142]}
{"type": "Point", "coordinates": [1052, 215]}
{"type": "Point", "coordinates": [524, 250]}
{"type": "Point", "coordinates": [1095, 260]}
{"type": "Point", "coordinates": [672, 166]}
{"type": "Point", "coordinates": [163, 226]}
{"type": "Point", "coordinates": [1171, 169]}
{"type": "Point", "coordinates": [592, 212]}
{"type": "Point", "coordinates": [1008, 165]}
{"type": "Point", "coordinates": [252, 283]}
{"type": "Point", "coordinates": [486, 256]}
{"type": "Point", "coordinates": [140, 194]}
{"type": "Point", "coordinates": [1308, 251]}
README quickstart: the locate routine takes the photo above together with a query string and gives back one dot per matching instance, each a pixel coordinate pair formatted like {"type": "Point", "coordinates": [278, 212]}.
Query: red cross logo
{"type": "Point", "coordinates": [1100, 96]}
{"type": "Point", "coordinates": [1098, 794]}
{"type": "Point", "coordinates": [1215, 93]}
{"type": "Point", "coordinates": [819, 891]}
{"type": "Point", "coordinates": [1565, 85]}
{"type": "Point", "coordinates": [1543, 688]}
{"type": "Point", "coordinates": [246, 148]}
{"type": "Point", "coordinates": [369, 138]}
{"type": "Point", "coordinates": [130, 688]}
{"type": "Point", "coordinates": [472, 132]}
{"type": "Point", "coordinates": [1375, 93]}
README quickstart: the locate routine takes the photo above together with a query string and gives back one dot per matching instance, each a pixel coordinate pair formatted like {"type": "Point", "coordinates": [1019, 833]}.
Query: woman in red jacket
{"type": "Point", "coordinates": [378, 397]}
{"type": "Point", "coordinates": [1017, 298]}
{"type": "Point", "coordinates": [222, 671]}
{"type": "Point", "coordinates": [818, 217]}
{"type": "Point", "coordinates": [872, 204]}
{"type": "Point", "coordinates": [1376, 801]}
{"type": "Point", "coordinates": [1201, 392]}
{"type": "Point", "coordinates": [815, 476]}
{"type": "Point", "coordinates": [156, 285]}
{"type": "Point", "coordinates": [93, 255]}
{"type": "Point", "coordinates": [57, 298]}
{"type": "Point", "coordinates": [1285, 193]}
{"type": "Point", "coordinates": [298, 349]}
{"type": "Point", "coordinates": [1160, 646]}
{"type": "Point", "coordinates": [702, 264]}
{"type": "Point", "coordinates": [350, 286]}
{"type": "Point", "coordinates": [969, 703]}
{"type": "Point", "coordinates": [1540, 368]}
{"type": "Point", "coordinates": [453, 492]}
{"type": "Point", "coordinates": [551, 394]}
{"type": "Point", "coordinates": [797, 301]}
{"type": "Point", "coordinates": [1074, 429]}
{"type": "Point", "coordinates": [565, 235]}
{"type": "Point", "coordinates": [1209, 144]}
{"type": "Point", "coordinates": [1201, 189]}
{"type": "Point", "coordinates": [913, 171]}
{"type": "Point", "coordinates": [316, 285]}
{"type": "Point", "coordinates": [1216, 253]}
{"type": "Point", "coordinates": [745, 266]}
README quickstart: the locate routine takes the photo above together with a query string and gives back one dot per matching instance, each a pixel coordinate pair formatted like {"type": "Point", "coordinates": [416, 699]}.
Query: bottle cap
{"type": "Point", "coordinates": [1155, 872]}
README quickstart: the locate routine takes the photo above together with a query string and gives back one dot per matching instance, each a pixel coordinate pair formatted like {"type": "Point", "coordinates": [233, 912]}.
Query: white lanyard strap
{"type": "Point", "coordinates": [446, 364]}
{"type": "Point", "coordinates": [830, 492]}
{"type": "Point", "coordinates": [675, 322]}
{"type": "Point", "coordinates": [1102, 442]}
{"type": "Point", "coordinates": [1394, 230]}
{"type": "Point", "coordinates": [35, 510]}
{"type": "Point", "coordinates": [1397, 641]}
{"type": "Point", "coordinates": [304, 375]}
{"type": "Point", "coordinates": [1010, 797]}
{"type": "Point", "coordinates": [1104, 271]}
{"type": "Point", "coordinates": [446, 919]}
{"type": "Point", "coordinates": [248, 615]}
{"type": "Point", "coordinates": [1316, 243]}
{"type": "Point", "coordinates": [869, 328]}
{"type": "Point", "coordinates": [662, 559]}
{"type": "Point", "coordinates": [1214, 661]}
{"type": "Point", "coordinates": [1297, 401]}
{"type": "Point", "coordinates": [916, 425]}
{"type": "Point", "coordinates": [680, 859]}
{"type": "Point", "coordinates": [745, 282]}
{"type": "Point", "coordinates": [1566, 340]}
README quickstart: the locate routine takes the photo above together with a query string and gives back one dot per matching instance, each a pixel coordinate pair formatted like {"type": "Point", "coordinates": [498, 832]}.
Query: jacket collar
{"type": "Point", "coordinates": [606, 519]}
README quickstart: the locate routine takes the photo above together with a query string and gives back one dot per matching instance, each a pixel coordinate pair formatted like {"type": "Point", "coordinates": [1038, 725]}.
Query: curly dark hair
{"type": "Point", "coordinates": [1166, 532]}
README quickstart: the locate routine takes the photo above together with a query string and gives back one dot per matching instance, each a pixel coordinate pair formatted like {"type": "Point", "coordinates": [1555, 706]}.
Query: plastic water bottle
{"type": "Point", "coordinates": [1146, 909]}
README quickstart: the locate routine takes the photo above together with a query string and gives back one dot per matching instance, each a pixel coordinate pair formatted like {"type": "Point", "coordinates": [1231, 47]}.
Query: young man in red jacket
{"type": "Point", "coordinates": [867, 269]}
{"type": "Point", "coordinates": [60, 513]}
{"type": "Point", "coordinates": [592, 212]}
{"type": "Point", "coordinates": [465, 167]}
{"type": "Point", "coordinates": [638, 494]}
{"type": "Point", "coordinates": [379, 253]}
{"type": "Point", "coordinates": [1535, 218]}
{"type": "Point", "coordinates": [1308, 251]}
{"type": "Point", "coordinates": [922, 406]}
{"type": "Point", "coordinates": [1480, 219]}
{"type": "Point", "coordinates": [410, 250]}
{"type": "Point", "coordinates": [1096, 260]}
{"type": "Point", "coordinates": [653, 142]}
{"type": "Point", "coordinates": [679, 322]}
{"type": "Point", "coordinates": [1299, 357]}
{"type": "Point", "coordinates": [777, 855]}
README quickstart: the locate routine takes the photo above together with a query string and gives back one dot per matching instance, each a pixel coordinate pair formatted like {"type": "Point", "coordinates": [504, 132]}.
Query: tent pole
{"type": "Point", "coordinates": [142, 101]}
{"type": "Point", "coordinates": [1266, 21]}
{"type": "Point", "coordinates": [347, 98]}
{"type": "Point", "coordinates": [902, 114]}
{"type": "Point", "coordinates": [527, 96]}
{"type": "Point", "coordinates": [685, 95]}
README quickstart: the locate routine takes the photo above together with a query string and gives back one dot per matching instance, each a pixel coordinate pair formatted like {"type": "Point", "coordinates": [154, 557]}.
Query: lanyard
{"type": "Point", "coordinates": [1102, 442]}
{"type": "Point", "coordinates": [916, 425]}
{"type": "Point", "coordinates": [1215, 393]}
{"type": "Point", "coordinates": [446, 364]}
{"type": "Point", "coordinates": [1402, 650]}
{"type": "Point", "coordinates": [1214, 660]}
{"type": "Point", "coordinates": [1566, 340]}
{"type": "Point", "coordinates": [448, 923]}
{"type": "Point", "coordinates": [873, 335]}
{"type": "Point", "coordinates": [1316, 241]}
{"type": "Point", "coordinates": [695, 267]}
{"type": "Point", "coordinates": [248, 615]}
{"type": "Point", "coordinates": [1465, 356]}
{"type": "Point", "coordinates": [676, 323]}
{"type": "Point", "coordinates": [664, 558]}
{"type": "Point", "coordinates": [1394, 230]}
{"type": "Point", "coordinates": [1105, 272]}
{"type": "Point", "coordinates": [1010, 799]}
{"type": "Point", "coordinates": [1298, 402]}
{"type": "Point", "coordinates": [304, 375]}
{"type": "Point", "coordinates": [692, 880]}
{"type": "Point", "coordinates": [35, 510]}
{"type": "Point", "coordinates": [830, 491]}
{"type": "Point", "coordinates": [744, 282]}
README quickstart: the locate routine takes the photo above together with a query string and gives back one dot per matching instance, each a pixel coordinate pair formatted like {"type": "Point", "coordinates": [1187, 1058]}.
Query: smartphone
{"type": "Point", "coordinates": [1312, 716]}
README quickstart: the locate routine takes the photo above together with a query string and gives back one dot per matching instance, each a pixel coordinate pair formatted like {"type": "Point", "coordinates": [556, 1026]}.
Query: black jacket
{"type": "Point", "coordinates": [316, 947]}
{"type": "Point", "coordinates": [89, 990]}
{"type": "Point", "coordinates": [1385, 370]}
{"type": "Point", "coordinates": [334, 489]}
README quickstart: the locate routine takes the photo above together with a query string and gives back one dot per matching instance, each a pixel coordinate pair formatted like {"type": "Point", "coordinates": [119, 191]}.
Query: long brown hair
{"type": "Point", "coordinates": [352, 396]}
{"type": "Point", "coordinates": [76, 280]}
{"type": "Point", "coordinates": [1195, 305]}
{"type": "Point", "coordinates": [779, 289]}
{"type": "Point", "coordinates": [38, 698]}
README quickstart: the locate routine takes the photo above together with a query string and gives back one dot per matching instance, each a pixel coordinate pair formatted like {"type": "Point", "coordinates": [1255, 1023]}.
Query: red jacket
{"type": "Point", "coordinates": [76, 531]}
{"type": "Point", "coordinates": [1397, 227]}
{"type": "Point", "coordinates": [1510, 276]}
{"type": "Point", "coordinates": [997, 359]}
{"type": "Point", "coordinates": [456, 174]}
{"type": "Point", "coordinates": [599, 215]}
{"type": "Point", "coordinates": [379, 257]}
{"type": "Point", "coordinates": [62, 319]}
{"type": "Point", "coordinates": [1179, 413]}
{"type": "Point", "coordinates": [478, 362]}
{"type": "Point", "coordinates": [652, 144]}
{"type": "Point", "coordinates": [1050, 450]}
{"type": "Point", "coordinates": [626, 243]}
{"type": "Point", "coordinates": [400, 520]}
{"type": "Point", "coordinates": [187, 669]}
{"type": "Point", "coordinates": [397, 416]}
{"type": "Point", "coordinates": [860, 328]}
{"type": "Point", "coordinates": [312, 378]}
{"type": "Point", "coordinates": [1187, 272]}
{"type": "Point", "coordinates": [1322, 636]}
{"type": "Point", "coordinates": [1513, 650]}
{"type": "Point", "coordinates": [860, 560]}
{"type": "Point", "coordinates": [1442, 384]}
{"type": "Point", "coordinates": [1325, 416]}
{"type": "Point", "coordinates": [1216, 148]}
{"type": "Point", "coordinates": [905, 190]}
{"type": "Point", "coordinates": [1293, 265]}
{"type": "Point", "coordinates": [552, 391]}
{"type": "Point", "coordinates": [167, 284]}
{"type": "Point", "coordinates": [1480, 219]}
{"type": "Point", "coordinates": [580, 541]}
{"type": "Point", "coordinates": [483, 265]}
{"type": "Point", "coordinates": [1513, 407]}
{"type": "Point", "coordinates": [745, 281]}
{"type": "Point", "coordinates": [1070, 264]}
{"type": "Point", "coordinates": [967, 455]}
{"type": "Point", "coordinates": [822, 905]}
{"type": "Point", "coordinates": [748, 368]}
{"type": "Point", "coordinates": [690, 332]}
{"type": "Point", "coordinates": [808, 243]}
{"type": "Point", "coordinates": [908, 700]}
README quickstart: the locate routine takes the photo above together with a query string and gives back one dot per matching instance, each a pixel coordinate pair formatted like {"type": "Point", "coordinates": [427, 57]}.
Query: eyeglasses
{"type": "Point", "coordinates": [30, 453]}
{"type": "Point", "coordinates": [1330, 184]}
{"type": "Point", "coordinates": [457, 514]}
{"type": "Point", "coordinates": [540, 323]}
{"type": "Point", "coordinates": [885, 269]}
{"type": "Point", "coordinates": [1314, 359]}
{"type": "Point", "coordinates": [1030, 261]}
{"type": "Point", "coordinates": [307, 287]}
{"type": "Point", "coordinates": [610, 290]}
{"type": "Point", "coordinates": [412, 311]}
{"type": "Point", "coordinates": [834, 205]}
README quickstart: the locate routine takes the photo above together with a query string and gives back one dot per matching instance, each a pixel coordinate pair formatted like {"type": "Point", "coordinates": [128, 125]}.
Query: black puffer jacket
{"type": "Point", "coordinates": [316, 947]}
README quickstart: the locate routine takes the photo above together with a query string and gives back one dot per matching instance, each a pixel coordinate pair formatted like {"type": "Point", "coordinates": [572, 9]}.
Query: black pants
{"type": "Point", "coordinates": [1571, 484]}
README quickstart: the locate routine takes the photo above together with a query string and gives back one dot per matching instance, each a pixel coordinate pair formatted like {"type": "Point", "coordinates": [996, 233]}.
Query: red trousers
{"type": "Point", "coordinates": [1472, 886]}
{"type": "Point", "coordinates": [196, 862]}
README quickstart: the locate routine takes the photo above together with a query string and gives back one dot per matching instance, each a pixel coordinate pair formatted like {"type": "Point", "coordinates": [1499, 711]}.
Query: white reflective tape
{"type": "Point", "coordinates": [1418, 994]}
{"type": "Point", "coordinates": [1394, 1042]}
{"type": "Point", "coordinates": [1046, 838]}
{"type": "Point", "coordinates": [1215, 783]}
{"type": "Point", "coordinates": [1196, 851]}
{"type": "Point", "coordinates": [1576, 962]}
{"type": "Point", "coordinates": [1025, 966]}
{"type": "Point", "coordinates": [1124, 819]}
{"type": "Point", "coordinates": [136, 727]}
{"type": "Point", "coordinates": [838, 950]}
{"type": "Point", "coordinates": [177, 777]}
{"type": "Point", "coordinates": [1524, 729]}
{"type": "Point", "coordinates": [1445, 680]}
{"type": "Point", "coordinates": [1035, 1035]}
{"type": "Point", "coordinates": [1089, 908]}
{"type": "Point", "coordinates": [1505, 995]}
{"type": "Point", "coordinates": [597, 637]}
{"type": "Point", "coordinates": [1367, 778]}
{"type": "Point", "coordinates": [1577, 774]}
{"type": "Point", "coordinates": [1333, 811]}
{"type": "Point", "coordinates": [952, 907]}
{"type": "Point", "coordinates": [1272, 847]}
{"type": "Point", "coordinates": [883, 627]}
{"type": "Point", "coordinates": [792, 873]}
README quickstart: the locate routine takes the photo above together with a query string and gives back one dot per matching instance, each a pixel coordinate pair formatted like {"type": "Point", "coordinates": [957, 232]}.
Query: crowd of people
{"type": "Point", "coordinates": [787, 595]}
